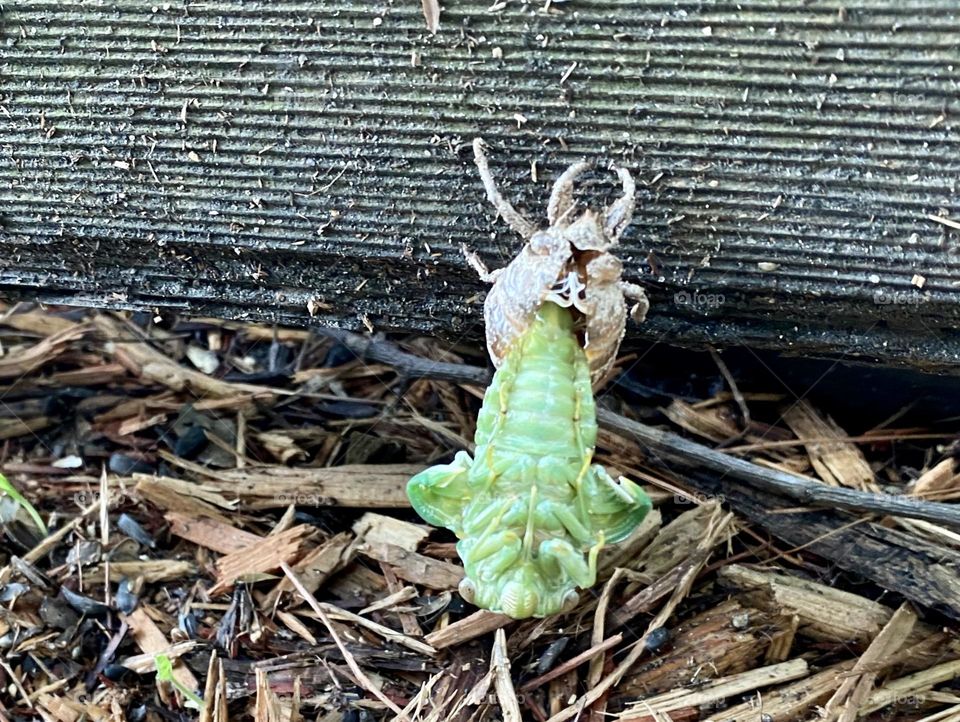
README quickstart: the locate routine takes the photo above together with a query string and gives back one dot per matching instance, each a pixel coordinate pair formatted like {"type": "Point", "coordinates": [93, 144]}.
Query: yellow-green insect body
{"type": "Point", "coordinates": [530, 508]}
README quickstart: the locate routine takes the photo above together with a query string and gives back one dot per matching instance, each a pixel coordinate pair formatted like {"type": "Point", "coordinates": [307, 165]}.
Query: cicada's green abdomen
{"type": "Point", "coordinates": [531, 510]}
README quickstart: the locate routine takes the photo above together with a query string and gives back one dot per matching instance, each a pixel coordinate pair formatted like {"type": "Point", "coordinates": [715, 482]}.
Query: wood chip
{"type": "Point", "coordinates": [718, 690]}
{"type": "Point", "coordinates": [790, 702]}
{"type": "Point", "coordinates": [374, 528]}
{"type": "Point", "coordinates": [210, 534]}
{"type": "Point", "coordinates": [265, 555]}
{"type": "Point", "coordinates": [476, 625]}
{"type": "Point", "coordinates": [838, 463]}
{"type": "Point", "coordinates": [825, 613]}
{"type": "Point", "coordinates": [150, 570]}
{"type": "Point", "coordinates": [142, 360]}
{"type": "Point", "coordinates": [417, 568]}
{"type": "Point", "coordinates": [20, 362]}
{"type": "Point", "coordinates": [850, 697]}
{"type": "Point", "coordinates": [314, 568]}
{"type": "Point", "coordinates": [366, 486]}
{"type": "Point", "coordinates": [939, 483]}
{"type": "Point", "coordinates": [152, 641]}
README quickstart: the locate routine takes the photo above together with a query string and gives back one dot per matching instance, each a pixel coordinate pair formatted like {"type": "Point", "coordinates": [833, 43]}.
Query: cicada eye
{"type": "Point", "coordinates": [570, 601]}
{"type": "Point", "coordinates": [468, 590]}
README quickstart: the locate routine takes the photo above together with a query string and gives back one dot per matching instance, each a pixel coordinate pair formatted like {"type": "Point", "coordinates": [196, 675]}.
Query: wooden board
{"type": "Point", "coordinates": [310, 162]}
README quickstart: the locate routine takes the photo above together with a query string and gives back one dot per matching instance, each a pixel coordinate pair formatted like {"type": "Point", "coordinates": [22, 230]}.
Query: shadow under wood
{"type": "Point", "coordinates": [925, 573]}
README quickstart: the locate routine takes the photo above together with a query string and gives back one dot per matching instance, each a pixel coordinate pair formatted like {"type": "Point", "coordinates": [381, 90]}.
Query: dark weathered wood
{"type": "Point", "coordinates": [247, 159]}
{"type": "Point", "coordinates": [923, 572]}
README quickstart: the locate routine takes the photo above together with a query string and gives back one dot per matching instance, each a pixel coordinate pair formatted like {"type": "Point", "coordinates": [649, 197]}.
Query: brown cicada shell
{"type": "Point", "coordinates": [569, 263]}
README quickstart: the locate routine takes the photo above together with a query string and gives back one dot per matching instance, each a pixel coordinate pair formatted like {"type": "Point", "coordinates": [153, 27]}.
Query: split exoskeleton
{"type": "Point", "coordinates": [569, 263]}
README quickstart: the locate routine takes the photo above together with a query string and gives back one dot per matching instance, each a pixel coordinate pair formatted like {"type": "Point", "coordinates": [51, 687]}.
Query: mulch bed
{"type": "Point", "coordinates": [228, 537]}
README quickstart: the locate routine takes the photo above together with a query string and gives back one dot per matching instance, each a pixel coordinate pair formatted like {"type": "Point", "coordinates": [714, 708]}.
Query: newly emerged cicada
{"type": "Point", "coordinates": [531, 509]}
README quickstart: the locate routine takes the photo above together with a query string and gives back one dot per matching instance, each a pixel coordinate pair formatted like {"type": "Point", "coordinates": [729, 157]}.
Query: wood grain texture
{"type": "Point", "coordinates": [259, 159]}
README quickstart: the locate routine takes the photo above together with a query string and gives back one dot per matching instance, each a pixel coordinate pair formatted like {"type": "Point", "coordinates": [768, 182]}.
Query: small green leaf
{"type": "Point", "coordinates": [165, 674]}
{"type": "Point", "coordinates": [10, 490]}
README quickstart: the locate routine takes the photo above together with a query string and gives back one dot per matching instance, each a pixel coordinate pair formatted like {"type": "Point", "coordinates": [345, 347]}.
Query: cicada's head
{"type": "Point", "coordinates": [587, 233]}
{"type": "Point", "coordinates": [549, 243]}
{"type": "Point", "coordinates": [520, 592]}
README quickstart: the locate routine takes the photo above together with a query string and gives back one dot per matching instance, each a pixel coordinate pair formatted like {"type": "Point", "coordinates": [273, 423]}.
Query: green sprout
{"type": "Point", "coordinates": [165, 674]}
{"type": "Point", "coordinates": [10, 490]}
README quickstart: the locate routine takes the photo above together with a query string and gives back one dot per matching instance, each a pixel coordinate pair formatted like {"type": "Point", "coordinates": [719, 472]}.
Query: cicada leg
{"type": "Point", "coordinates": [616, 508]}
{"type": "Point", "coordinates": [620, 213]}
{"type": "Point", "coordinates": [635, 293]}
{"type": "Point", "coordinates": [492, 555]}
{"type": "Point", "coordinates": [561, 203]}
{"type": "Point", "coordinates": [485, 515]}
{"type": "Point", "coordinates": [440, 494]}
{"type": "Point", "coordinates": [553, 515]}
{"type": "Point", "coordinates": [513, 218]}
{"type": "Point", "coordinates": [486, 275]}
{"type": "Point", "coordinates": [562, 555]}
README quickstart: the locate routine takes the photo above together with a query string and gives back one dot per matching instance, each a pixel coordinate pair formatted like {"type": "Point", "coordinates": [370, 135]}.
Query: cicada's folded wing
{"type": "Point", "coordinates": [616, 508]}
{"type": "Point", "coordinates": [440, 494]}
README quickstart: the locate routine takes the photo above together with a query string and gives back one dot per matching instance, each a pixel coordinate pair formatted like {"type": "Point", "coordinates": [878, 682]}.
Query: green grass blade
{"type": "Point", "coordinates": [165, 674]}
{"type": "Point", "coordinates": [10, 490]}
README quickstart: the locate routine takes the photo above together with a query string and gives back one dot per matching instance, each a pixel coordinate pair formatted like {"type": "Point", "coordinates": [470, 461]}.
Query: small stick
{"type": "Point", "coordinates": [500, 666]}
{"type": "Point", "coordinates": [595, 673]}
{"type": "Point", "coordinates": [572, 663]}
{"type": "Point", "coordinates": [735, 390]}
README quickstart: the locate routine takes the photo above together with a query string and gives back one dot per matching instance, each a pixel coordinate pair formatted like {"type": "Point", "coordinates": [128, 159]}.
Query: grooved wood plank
{"type": "Point", "coordinates": [251, 160]}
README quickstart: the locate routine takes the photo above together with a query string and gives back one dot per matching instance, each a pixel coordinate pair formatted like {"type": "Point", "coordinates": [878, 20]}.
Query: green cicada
{"type": "Point", "coordinates": [531, 510]}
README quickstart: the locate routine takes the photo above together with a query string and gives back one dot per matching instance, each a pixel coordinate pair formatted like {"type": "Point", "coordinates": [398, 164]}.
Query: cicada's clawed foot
{"type": "Point", "coordinates": [486, 275]}
{"type": "Point", "coordinates": [633, 292]}
{"type": "Point", "coordinates": [619, 214]}
{"type": "Point", "coordinates": [510, 214]}
{"type": "Point", "coordinates": [561, 204]}
{"type": "Point", "coordinates": [582, 572]}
